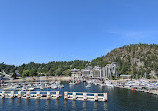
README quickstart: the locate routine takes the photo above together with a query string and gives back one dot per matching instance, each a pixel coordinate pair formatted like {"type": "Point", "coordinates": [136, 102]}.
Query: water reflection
{"type": "Point", "coordinates": [84, 104]}
{"type": "Point", "coordinates": [65, 103]}
{"type": "Point", "coordinates": [18, 101]}
{"type": "Point", "coordinates": [48, 102]}
{"type": "Point", "coordinates": [74, 104]}
{"type": "Point", "coordinates": [57, 102]}
{"type": "Point", "coordinates": [11, 101]}
{"type": "Point", "coordinates": [105, 105]}
{"type": "Point", "coordinates": [2, 101]}
{"type": "Point", "coordinates": [95, 105]}
{"type": "Point", "coordinates": [38, 102]}
{"type": "Point", "coordinates": [27, 102]}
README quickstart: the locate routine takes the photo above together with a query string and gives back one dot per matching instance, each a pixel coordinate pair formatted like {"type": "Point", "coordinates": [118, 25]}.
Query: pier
{"type": "Point", "coordinates": [83, 96]}
{"type": "Point", "coordinates": [31, 94]}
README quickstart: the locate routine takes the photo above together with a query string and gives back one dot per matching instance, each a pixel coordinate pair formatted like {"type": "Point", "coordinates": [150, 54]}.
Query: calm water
{"type": "Point", "coordinates": [118, 100]}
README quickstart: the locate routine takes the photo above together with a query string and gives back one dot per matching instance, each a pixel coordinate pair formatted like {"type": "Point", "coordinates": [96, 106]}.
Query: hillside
{"type": "Point", "coordinates": [57, 68]}
{"type": "Point", "coordinates": [133, 59]}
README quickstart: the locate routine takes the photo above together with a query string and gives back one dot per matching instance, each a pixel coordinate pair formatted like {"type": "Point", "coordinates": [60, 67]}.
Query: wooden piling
{"type": "Point", "coordinates": [105, 97]}
{"type": "Point", "coordinates": [57, 94]}
{"type": "Point", "coordinates": [84, 96]}
{"type": "Point", "coordinates": [19, 94]}
{"type": "Point", "coordinates": [12, 94]}
{"type": "Point", "coordinates": [65, 95]}
{"type": "Point", "coordinates": [28, 94]}
{"type": "Point", "coordinates": [48, 95]}
{"type": "Point", "coordinates": [95, 97]}
{"type": "Point", "coordinates": [74, 95]}
{"type": "Point", "coordinates": [3, 94]}
{"type": "Point", "coordinates": [38, 94]}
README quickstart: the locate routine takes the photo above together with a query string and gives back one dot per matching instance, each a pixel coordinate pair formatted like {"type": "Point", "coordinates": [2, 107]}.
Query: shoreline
{"type": "Point", "coordinates": [48, 78]}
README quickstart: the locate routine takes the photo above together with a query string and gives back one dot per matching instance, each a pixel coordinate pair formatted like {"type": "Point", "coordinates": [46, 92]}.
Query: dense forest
{"type": "Point", "coordinates": [53, 68]}
{"type": "Point", "coordinates": [132, 59]}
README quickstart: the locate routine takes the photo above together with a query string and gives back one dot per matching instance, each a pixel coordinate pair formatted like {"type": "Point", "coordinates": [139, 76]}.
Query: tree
{"type": "Point", "coordinates": [14, 75]}
{"type": "Point", "coordinates": [58, 72]}
{"type": "Point", "coordinates": [25, 73]}
{"type": "Point", "coordinates": [33, 72]}
{"type": "Point", "coordinates": [67, 72]}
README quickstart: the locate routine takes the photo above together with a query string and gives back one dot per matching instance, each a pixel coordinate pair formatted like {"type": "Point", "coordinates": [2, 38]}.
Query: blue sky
{"type": "Point", "coordinates": [57, 30]}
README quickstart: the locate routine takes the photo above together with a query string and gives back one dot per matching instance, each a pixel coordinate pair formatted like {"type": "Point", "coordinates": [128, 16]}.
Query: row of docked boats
{"type": "Point", "coordinates": [99, 82]}
{"type": "Point", "coordinates": [139, 84]}
{"type": "Point", "coordinates": [31, 86]}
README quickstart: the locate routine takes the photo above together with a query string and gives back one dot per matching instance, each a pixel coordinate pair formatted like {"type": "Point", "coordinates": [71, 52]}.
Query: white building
{"type": "Point", "coordinates": [109, 71]}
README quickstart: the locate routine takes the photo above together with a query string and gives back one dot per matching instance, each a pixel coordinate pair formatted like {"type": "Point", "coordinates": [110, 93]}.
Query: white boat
{"type": "Point", "coordinates": [54, 87]}
{"type": "Point", "coordinates": [30, 89]}
{"type": "Point", "coordinates": [60, 86]}
{"type": "Point", "coordinates": [71, 83]}
{"type": "Point", "coordinates": [108, 84]}
{"type": "Point", "coordinates": [89, 85]}
{"type": "Point", "coordinates": [23, 89]}
{"type": "Point", "coordinates": [102, 84]}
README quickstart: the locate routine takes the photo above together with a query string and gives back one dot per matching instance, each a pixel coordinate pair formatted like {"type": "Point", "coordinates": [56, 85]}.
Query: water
{"type": "Point", "coordinates": [118, 100]}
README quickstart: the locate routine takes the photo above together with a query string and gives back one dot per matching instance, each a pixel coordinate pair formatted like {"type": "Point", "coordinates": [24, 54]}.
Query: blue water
{"type": "Point", "coordinates": [118, 100]}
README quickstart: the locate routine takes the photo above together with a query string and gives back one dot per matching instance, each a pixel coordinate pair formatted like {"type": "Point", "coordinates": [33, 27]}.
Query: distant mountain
{"type": "Point", "coordinates": [133, 59]}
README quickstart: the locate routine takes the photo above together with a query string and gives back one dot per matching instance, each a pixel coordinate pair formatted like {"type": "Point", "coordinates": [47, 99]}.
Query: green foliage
{"type": "Point", "coordinates": [33, 72]}
{"type": "Point", "coordinates": [67, 72]}
{"type": "Point", "coordinates": [53, 68]}
{"type": "Point", "coordinates": [58, 72]}
{"type": "Point", "coordinates": [25, 73]}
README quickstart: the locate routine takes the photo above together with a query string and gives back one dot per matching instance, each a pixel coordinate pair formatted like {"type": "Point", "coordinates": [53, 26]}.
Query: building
{"type": "Point", "coordinates": [126, 76]}
{"type": "Point", "coordinates": [87, 72]}
{"type": "Point", "coordinates": [75, 72]}
{"type": "Point", "coordinates": [109, 71]}
{"type": "Point", "coordinates": [96, 72]}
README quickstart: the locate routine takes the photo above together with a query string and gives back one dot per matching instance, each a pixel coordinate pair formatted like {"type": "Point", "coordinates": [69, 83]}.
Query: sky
{"type": "Point", "coordinates": [64, 30]}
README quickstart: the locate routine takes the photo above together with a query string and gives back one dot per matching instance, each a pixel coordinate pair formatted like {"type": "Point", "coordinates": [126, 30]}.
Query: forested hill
{"type": "Point", "coordinates": [133, 59]}
{"type": "Point", "coordinates": [51, 68]}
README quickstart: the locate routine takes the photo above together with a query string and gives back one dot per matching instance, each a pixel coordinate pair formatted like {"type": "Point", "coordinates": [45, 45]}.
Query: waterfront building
{"type": "Point", "coordinates": [126, 76]}
{"type": "Point", "coordinates": [88, 72]}
{"type": "Point", "coordinates": [75, 72]}
{"type": "Point", "coordinates": [96, 72]}
{"type": "Point", "coordinates": [109, 71]}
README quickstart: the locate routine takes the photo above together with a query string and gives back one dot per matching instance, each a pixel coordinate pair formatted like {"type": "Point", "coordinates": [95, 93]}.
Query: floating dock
{"type": "Point", "coordinates": [31, 94]}
{"type": "Point", "coordinates": [83, 96]}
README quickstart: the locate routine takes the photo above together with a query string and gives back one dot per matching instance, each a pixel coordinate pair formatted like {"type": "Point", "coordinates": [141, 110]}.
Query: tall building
{"type": "Point", "coordinates": [109, 71]}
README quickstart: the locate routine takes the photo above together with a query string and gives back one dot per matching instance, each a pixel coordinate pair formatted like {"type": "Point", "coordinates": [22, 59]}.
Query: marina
{"type": "Point", "coordinates": [118, 99]}
{"type": "Point", "coordinates": [93, 85]}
